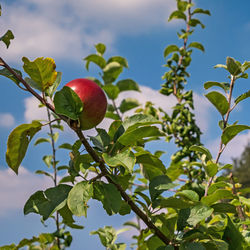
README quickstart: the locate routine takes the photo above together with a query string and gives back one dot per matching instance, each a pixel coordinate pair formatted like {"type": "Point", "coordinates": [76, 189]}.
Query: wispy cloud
{"type": "Point", "coordinates": [7, 120]}
{"type": "Point", "coordinates": [15, 190]}
{"type": "Point", "coordinates": [68, 30]}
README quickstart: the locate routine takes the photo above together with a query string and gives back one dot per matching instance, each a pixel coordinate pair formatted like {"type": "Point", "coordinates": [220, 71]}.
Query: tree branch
{"type": "Point", "coordinates": [74, 126]}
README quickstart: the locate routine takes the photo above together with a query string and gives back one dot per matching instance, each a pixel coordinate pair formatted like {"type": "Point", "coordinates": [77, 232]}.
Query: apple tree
{"type": "Point", "coordinates": [187, 204]}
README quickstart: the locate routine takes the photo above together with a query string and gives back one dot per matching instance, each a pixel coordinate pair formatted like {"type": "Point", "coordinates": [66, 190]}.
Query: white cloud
{"type": "Point", "coordinates": [233, 149]}
{"type": "Point", "coordinates": [6, 120]}
{"type": "Point", "coordinates": [15, 190]}
{"type": "Point", "coordinates": [68, 30]}
{"type": "Point", "coordinates": [32, 111]}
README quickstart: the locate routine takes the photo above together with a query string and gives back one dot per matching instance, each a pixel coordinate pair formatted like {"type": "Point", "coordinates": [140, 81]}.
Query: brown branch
{"type": "Point", "coordinates": [74, 126]}
{"type": "Point", "coordinates": [124, 195]}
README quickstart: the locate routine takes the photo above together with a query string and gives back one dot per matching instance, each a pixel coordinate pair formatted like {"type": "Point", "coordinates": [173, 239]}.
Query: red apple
{"type": "Point", "coordinates": [94, 102]}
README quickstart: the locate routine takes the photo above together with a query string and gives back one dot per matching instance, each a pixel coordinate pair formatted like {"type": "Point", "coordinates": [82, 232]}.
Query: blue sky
{"type": "Point", "coordinates": [135, 29]}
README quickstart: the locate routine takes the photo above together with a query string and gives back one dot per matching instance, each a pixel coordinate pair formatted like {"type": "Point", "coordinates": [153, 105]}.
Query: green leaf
{"type": "Point", "coordinates": [48, 160]}
{"type": "Point", "coordinates": [68, 217]}
{"type": "Point", "coordinates": [68, 103]}
{"type": "Point", "coordinates": [111, 72]}
{"type": "Point", "coordinates": [66, 146]}
{"type": "Point", "coordinates": [182, 5]}
{"type": "Point", "coordinates": [161, 180]}
{"type": "Point", "coordinates": [100, 48]}
{"type": "Point", "coordinates": [33, 84]}
{"type": "Point", "coordinates": [224, 208]}
{"type": "Point", "coordinates": [220, 66]}
{"type": "Point", "coordinates": [219, 194]}
{"type": "Point", "coordinates": [111, 90]}
{"type": "Point", "coordinates": [175, 170]}
{"type": "Point", "coordinates": [219, 101]}
{"type": "Point", "coordinates": [201, 11]}
{"type": "Point", "coordinates": [192, 246]}
{"type": "Point", "coordinates": [44, 173]}
{"type": "Point", "coordinates": [175, 203]}
{"type": "Point", "coordinates": [18, 142]}
{"type": "Point", "coordinates": [128, 104]}
{"type": "Point", "coordinates": [51, 90]}
{"type": "Point", "coordinates": [224, 85]}
{"type": "Point", "coordinates": [197, 46]}
{"type": "Point", "coordinates": [121, 60]}
{"type": "Point", "coordinates": [7, 37]}
{"type": "Point", "coordinates": [126, 159]}
{"type": "Point", "coordinates": [194, 22]}
{"type": "Point", "coordinates": [188, 194]}
{"type": "Point", "coordinates": [211, 168]}
{"type": "Point", "coordinates": [232, 236]}
{"type": "Point", "coordinates": [177, 15]}
{"type": "Point", "coordinates": [42, 140]}
{"type": "Point", "coordinates": [47, 202]}
{"type": "Point", "coordinates": [231, 131]}
{"type": "Point", "coordinates": [233, 67]}
{"type": "Point", "coordinates": [245, 66]}
{"type": "Point", "coordinates": [202, 150]}
{"type": "Point", "coordinates": [107, 235]}
{"type": "Point", "coordinates": [6, 73]}
{"type": "Point", "coordinates": [169, 49]}
{"type": "Point", "coordinates": [96, 59]}
{"type": "Point", "coordinates": [127, 84]}
{"type": "Point", "coordinates": [137, 120]}
{"type": "Point", "coordinates": [78, 198]}
{"type": "Point", "coordinates": [131, 137]}
{"type": "Point", "coordinates": [41, 70]}
{"type": "Point", "coordinates": [242, 97]}
{"type": "Point", "coordinates": [152, 165]}
{"type": "Point", "coordinates": [216, 185]}
{"type": "Point", "coordinates": [112, 115]}
{"type": "Point", "coordinates": [109, 196]}
{"type": "Point", "coordinates": [199, 213]}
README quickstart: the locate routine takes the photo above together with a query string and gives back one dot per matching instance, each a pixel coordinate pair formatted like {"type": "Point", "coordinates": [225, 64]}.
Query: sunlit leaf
{"type": "Point", "coordinates": [98, 60]}
{"type": "Point", "coordinates": [231, 131]}
{"type": "Point", "coordinates": [7, 37]}
{"type": "Point", "coordinates": [41, 70]}
{"type": "Point", "coordinates": [47, 202]}
{"type": "Point", "coordinates": [177, 15]}
{"type": "Point", "coordinates": [219, 194]}
{"type": "Point", "coordinates": [219, 101]}
{"type": "Point", "coordinates": [199, 213]}
{"type": "Point", "coordinates": [108, 195]}
{"type": "Point", "coordinates": [202, 150]}
{"type": "Point", "coordinates": [100, 48]}
{"type": "Point", "coordinates": [125, 159]}
{"type": "Point", "coordinates": [18, 142]}
{"type": "Point", "coordinates": [242, 97]}
{"type": "Point", "coordinates": [233, 67]}
{"type": "Point", "coordinates": [68, 103]}
{"type": "Point", "coordinates": [127, 84]}
{"type": "Point", "coordinates": [78, 198]}
{"type": "Point", "coordinates": [197, 46]}
{"type": "Point", "coordinates": [169, 49]}
{"type": "Point", "coordinates": [6, 73]}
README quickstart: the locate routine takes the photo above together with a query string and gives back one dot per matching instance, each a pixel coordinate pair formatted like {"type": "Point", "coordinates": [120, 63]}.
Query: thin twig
{"type": "Point", "coordinates": [225, 122]}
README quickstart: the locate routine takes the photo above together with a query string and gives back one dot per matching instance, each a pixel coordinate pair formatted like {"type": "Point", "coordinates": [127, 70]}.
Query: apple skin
{"type": "Point", "coordinates": [94, 102]}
